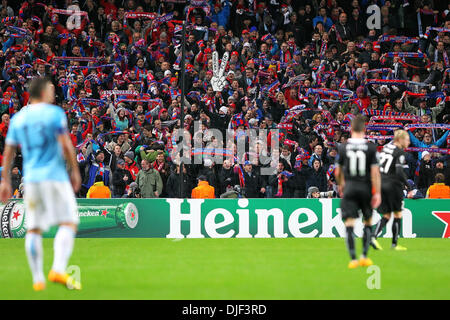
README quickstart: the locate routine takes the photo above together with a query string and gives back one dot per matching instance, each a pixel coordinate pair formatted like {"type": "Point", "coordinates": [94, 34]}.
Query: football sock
{"type": "Point", "coordinates": [62, 246]}
{"type": "Point", "coordinates": [350, 241]}
{"type": "Point", "coordinates": [396, 230]}
{"type": "Point", "coordinates": [366, 239]}
{"type": "Point", "coordinates": [33, 248]}
{"type": "Point", "coordinates": [380, 226]}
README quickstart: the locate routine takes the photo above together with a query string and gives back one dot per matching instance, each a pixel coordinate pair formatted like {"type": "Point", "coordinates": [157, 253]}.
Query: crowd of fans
{"type": "Point", "coordinates": [305, 67]}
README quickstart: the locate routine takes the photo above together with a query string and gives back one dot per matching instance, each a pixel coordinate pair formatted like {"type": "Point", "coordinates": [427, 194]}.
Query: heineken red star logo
{"type": "Point", "coordinates": [444, 216]}
{"type": "Point", "coordinates": [104, 213]}
{"type": "Point", "coordinates": [16, 215]}
{"type": "Point", "coordinates": [132, 215]}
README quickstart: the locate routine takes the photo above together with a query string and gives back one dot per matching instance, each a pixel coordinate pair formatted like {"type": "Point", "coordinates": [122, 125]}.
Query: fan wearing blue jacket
{"type": "Point", "coordinates": [221, 13]}
{"type": "Point", "coordinates": [427, 141]}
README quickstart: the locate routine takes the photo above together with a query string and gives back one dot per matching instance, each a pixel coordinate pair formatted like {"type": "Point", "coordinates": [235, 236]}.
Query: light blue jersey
{"type": "Point", "coordinates": [36, 128]}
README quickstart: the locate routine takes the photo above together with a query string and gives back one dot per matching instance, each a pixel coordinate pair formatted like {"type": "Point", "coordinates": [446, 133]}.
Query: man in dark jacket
{"type": "Point", "coordinates": [218, 120]}
{"type": "Point", "coordinates": [342, 32]}
{"type": "Point", "coordinates": [174, 181]}
{"type": "Point", "coordinates": [440, 167]}
{"type": "Point", "coordinates": [16, 178]}
{"type": "Point", "coordinates": [280, 183]}
{"type": "Point", "coordinates": [226, 176]}
{"type": "Point", "coordinates": [316, 177]}
{"type": "Point", "coordinates": [313, 140]}
{"type": "Point", "coordinates": [357, 24]}
{"type": "Point", "coordinates": [254, 187]}
{"type": "Point", "coordinates": [146, 138]}
{"type": "Point", "coordinates": [425, 178]}
{"type": "Point", "coordinates": [298, 182]}
{"type": "Point", "coordinates": [121, 178]}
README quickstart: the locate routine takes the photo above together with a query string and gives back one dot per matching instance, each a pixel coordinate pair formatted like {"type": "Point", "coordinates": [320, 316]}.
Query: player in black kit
{"type": "Point", "coordinates": [393, 181]}
{"type": "Point", "coordinates": [358, 175]}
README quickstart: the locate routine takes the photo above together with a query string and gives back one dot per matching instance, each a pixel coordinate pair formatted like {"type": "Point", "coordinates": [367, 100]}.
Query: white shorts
{"type": "Point", "coordinates": [49, 203]}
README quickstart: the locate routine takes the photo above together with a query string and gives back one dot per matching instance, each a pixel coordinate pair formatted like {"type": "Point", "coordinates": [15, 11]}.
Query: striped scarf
{"type": "Point", "coordinates": [281, 178]}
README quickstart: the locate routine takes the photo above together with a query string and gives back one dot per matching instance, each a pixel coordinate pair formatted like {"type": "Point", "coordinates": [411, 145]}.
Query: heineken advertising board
{"type": "Point", "coordinates": [227, 218]}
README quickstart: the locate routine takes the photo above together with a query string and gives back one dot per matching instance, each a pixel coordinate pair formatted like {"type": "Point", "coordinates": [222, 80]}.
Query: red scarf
{"type": "Point", "coordinates": [286, 56]}
{"type": "Point", "coordinates": [158, 167]}
{"type": "Point", "coordinates": [280, 187]}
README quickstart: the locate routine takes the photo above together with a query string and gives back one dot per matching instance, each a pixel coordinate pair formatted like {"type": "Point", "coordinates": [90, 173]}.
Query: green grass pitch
{"type": "Point", "coordinates": [233, 269]}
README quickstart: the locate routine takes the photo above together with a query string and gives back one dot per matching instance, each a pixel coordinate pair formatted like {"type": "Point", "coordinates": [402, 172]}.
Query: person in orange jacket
{"type": "Point", "coordinates": [203, 190]}
{"type": "Point", "coordinates": [438, 190]}
{"type": "Point", "coordinates": [98, 189]}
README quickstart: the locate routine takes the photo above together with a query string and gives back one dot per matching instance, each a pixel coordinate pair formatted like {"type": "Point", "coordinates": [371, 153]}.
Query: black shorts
{"type": "Point", "coordinates": [391, 197]}
{"type": "Point", "coordinates": [357, 196]}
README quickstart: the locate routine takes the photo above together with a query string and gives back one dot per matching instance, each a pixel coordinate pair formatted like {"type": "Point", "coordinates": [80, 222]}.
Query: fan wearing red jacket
{"type": "Point", "coordinates": [292, 97]}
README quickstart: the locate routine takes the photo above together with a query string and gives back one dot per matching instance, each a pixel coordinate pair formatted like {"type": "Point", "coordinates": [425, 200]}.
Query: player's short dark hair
{"type": "Point", "coordinates": [37, 86]}
{"type": "Point", "coordinates": [359, 124]}
{"type": "Point", "coordinates": [98, 178]}
{"type": "Point", "coordinates": [439, 178]}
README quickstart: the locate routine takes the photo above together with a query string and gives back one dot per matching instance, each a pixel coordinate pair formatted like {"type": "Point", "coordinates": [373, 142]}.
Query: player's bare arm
{"type": "Point", "coordinates": [340, 180]}
{"type": "Point", "coordinates": [5, 186]}
{"type": "Point", "coordinates": [69, 155]}
{"type": "Point", "coordinates": [376, 185]}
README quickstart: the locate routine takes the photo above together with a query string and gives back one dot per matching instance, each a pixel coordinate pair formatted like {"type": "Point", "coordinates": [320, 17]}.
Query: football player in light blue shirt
{"type": "Point", "coordinates": [40, 129]}
{"type": "Point", "coordinates": [36, 129]}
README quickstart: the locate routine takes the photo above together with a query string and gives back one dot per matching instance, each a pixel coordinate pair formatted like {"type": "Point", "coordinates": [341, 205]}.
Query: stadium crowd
{"type": "Point", "coordinates": [305, 67]}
